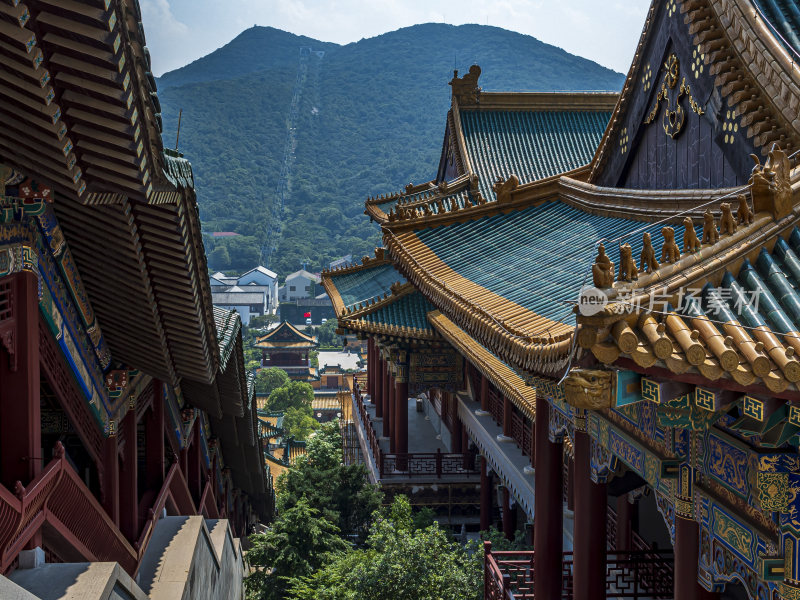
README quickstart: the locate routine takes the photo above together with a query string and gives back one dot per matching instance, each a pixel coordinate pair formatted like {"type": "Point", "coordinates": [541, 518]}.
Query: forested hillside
{"type": "Point", "coordinates": [371, 118]}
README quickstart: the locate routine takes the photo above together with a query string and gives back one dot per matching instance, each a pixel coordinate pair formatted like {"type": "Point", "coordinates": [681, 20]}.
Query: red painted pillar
{"type": "Point", "coordinates": [110, 491]}
{"type": "Point", "coordinates": [393, 413]}
{"type": "Point", "coordinates": [457, 439]}
{"type": "Point", "coordinates": [20, 414]}
{"type": "Point", "coordinates": [128, 478]}
{"type": "Point", "coordinates": [387, 412]}
{"type": "Point", "coordinates": [484, 393]}
{"type": "Point", "coordinates": [401, 414]}
{"type": "Point", "coordinates": [548, 521]}
{"type": "Point", "coordinates": [369, 369]}
{"type": "Point", "coordinates": [624, 539]}
{"type": "Point", "coordinates": [378, 375]}
{"type": "Point", "coordinates": [507, 412]}
{"type": "Point", "coordinates": [509, 516]}
{"type": "Point", "coordinates": [686, 557]}
{"type": "Point", "coordinates": [196, 464]}
{"type": "Point", "coordinates": [154, 440]}
{"type": "Point", "coordinates": [590, 526]}
{"type": "Point", "coordinates": [571, 484]}
{"type": "Point", "coordinates": [486, 495]}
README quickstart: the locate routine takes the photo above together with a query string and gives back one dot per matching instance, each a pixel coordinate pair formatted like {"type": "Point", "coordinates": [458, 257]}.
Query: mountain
{"type": "Point", "coordinates": [368, 118]}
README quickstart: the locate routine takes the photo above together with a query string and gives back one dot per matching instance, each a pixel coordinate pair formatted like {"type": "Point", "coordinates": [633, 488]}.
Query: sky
{"type": "Point", "coordinates": [180, 31]}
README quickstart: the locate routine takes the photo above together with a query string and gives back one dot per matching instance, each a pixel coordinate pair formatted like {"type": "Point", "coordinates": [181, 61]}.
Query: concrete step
{"type": "Point", "coordinates": [188, 560]}
{"type": "Point", "coordinates": [74, 581]}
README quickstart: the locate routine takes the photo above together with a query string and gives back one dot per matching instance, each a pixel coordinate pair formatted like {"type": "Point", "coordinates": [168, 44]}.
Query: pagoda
{"type": "Point", "coordinates": [288, 348]}
{"type": "Point", "coordinates": [622, 302]}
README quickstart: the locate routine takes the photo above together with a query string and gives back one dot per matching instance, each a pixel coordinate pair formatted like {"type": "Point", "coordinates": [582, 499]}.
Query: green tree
{"type": "Point", "coordinates": [220, 259]}
{"type": "Point", "coordinates": [340, 492]}
{"type": "Point", "coordinates": [399, 562]}
{"type": "Point", "coordinates": [270, 379]}
{"type": "Point", "coordinates": [327, 334]}
{"type": "Point", "coordinates": [299, 422]}
{"type": "Point", "coordinates": [295, 394]}
{"type": "Point", "coordinates": [297, 544]}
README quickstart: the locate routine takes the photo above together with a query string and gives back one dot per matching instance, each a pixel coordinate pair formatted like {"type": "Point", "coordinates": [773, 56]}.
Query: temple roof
{"type": "Point", "coordinates": [401, 314]}
{"type": "Point", "coordinates": [356, 284]}
{"type": "Point", "coordinates": [531, 136]}
{"type": "Point", "coordinates": [740, 325]}
{"type": "Point", "coordinates": [533, 142]}
{"type": "Point", "coordinates": [286, 336]}
{"type": "Point", "coordinates": [750, 67]}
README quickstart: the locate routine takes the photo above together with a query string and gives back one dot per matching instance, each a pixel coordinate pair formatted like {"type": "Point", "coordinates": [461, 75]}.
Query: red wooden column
{"type": "Point", "coordinates": [20, 414]}
{"type": "Point", "coordinates": [507, 412]}
{"type": "Point", "coordinates": [110, 482]}
{"type": "Point", "coordinates": [548, 521]}
{"type": "Point", "coordinates": [377, 374]}
{"type": "Point", "coordinates": [393, 413]}
{"type": "Point", "coordinates": [484, 393]}
{"type": "Point", "coordinates": [624, 539]}
{"type": "Point", "coordinates": [590, 526]}
{"type": "Point", "coordinates": [486, 495]}
{"type": "Point", "coordinates": [387, 412]}
{"type": "Point", "coordinates": [686, 557]}
{"type": "Point", "coordinates": [457, 437]}
{"type": "Point", "coordinates": [509, 515]}
{"type": "Point", "coordinates": [128, 478]}
{"type": "Point", "coordinates": [370, 365]}
{"type": "Point", "coordinates": [154, 440]}
{"type": "Point", "coordinates": [196, 464]}
{"type": "Point", "coordinates": [401, 404]}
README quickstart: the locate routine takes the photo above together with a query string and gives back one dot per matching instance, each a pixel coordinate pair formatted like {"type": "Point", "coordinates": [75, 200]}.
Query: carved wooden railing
{"type": "Point", "coordinates": [208, 503]}
{"type": "Point", "coordinates": [495, 405]}
{"type": "Point", "coordinates": [438, 464]}
{"type": "Point", "coordinates": [59, 497]}
{"type": "Point", "coordinates": [175, 497]}
{"type": "Point", "coordinates": [412, 464]}
{"type": "Point", "coordinates": [634, 575]}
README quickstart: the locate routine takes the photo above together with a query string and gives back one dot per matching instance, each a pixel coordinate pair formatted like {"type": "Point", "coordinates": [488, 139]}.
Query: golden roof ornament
{"type": "Point", "coordinates": [503, 189]}
{"type": "Point", "coordinates": [648, 262]}
{"type": "Point", "coordinates": [769, 184]}
{"type": "Point", "coordinates": [669, 251]}
{"type": "Point", "coordinates": [690, 241]}
{"type": "Point", "coordinates": [602, 269]}
{"type": "Point", "coordinates": [744, 216]}
{"type": "Point", "coordinates": [627, 266]}
{"type": "Point", "coordinates": [465, 89]}
{"type": "Point", "coordinates": [710, 232]}
{"type": "Point", "coordinates": [726, 224]}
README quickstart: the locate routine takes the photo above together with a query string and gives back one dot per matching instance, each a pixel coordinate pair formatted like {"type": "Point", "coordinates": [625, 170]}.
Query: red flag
{"type": "Point", "coordinates": [306, 315]}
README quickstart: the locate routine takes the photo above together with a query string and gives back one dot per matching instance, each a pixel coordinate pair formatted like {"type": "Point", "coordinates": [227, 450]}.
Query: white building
{"type": "Point", "coordinates": [254, 293]}
{"type": "Point", "coordinates": [298, 285]}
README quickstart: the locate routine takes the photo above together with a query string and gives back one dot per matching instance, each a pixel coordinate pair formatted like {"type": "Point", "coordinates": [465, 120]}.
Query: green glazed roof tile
{"type": "Point", "coordinates": [538, 257]}
{"type": "Point", "coordinates": [529, 144]}
{"type": "Point", "coordinates": [410, 311]}
{"type": "Point", "coordinates": [366, 284]}
{"type": "Point", "coordinates": [228, 325]}
{"type": "Point", "coordinates": [783, 16]}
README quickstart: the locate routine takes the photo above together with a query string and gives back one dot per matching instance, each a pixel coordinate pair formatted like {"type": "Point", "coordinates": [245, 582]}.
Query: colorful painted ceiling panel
{"type": "Point", "coordinates": [529, 144]}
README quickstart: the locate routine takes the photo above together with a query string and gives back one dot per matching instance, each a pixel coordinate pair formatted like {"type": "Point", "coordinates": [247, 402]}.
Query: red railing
{"type": "Point", "coordinates": [496, 405]}
{"type": "Point", "coordinates": [634, 575]}
{"type": "Point", "coordinates": [208, 503]}
{"type": "Point", "coordinates": [412, 464]}
{"type": "Point", "coordinates": [59, 497]}
{"type": "Point", "coordinates": [175, 497]}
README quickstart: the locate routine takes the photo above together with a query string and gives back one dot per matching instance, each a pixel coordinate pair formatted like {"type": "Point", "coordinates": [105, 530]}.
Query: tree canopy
{"type": "Point", "coordinates": [270, 379]}
{"type": "Point", "coordinates": [294, 394]}
{"type": "Point", "coordinates": [398, 562]}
